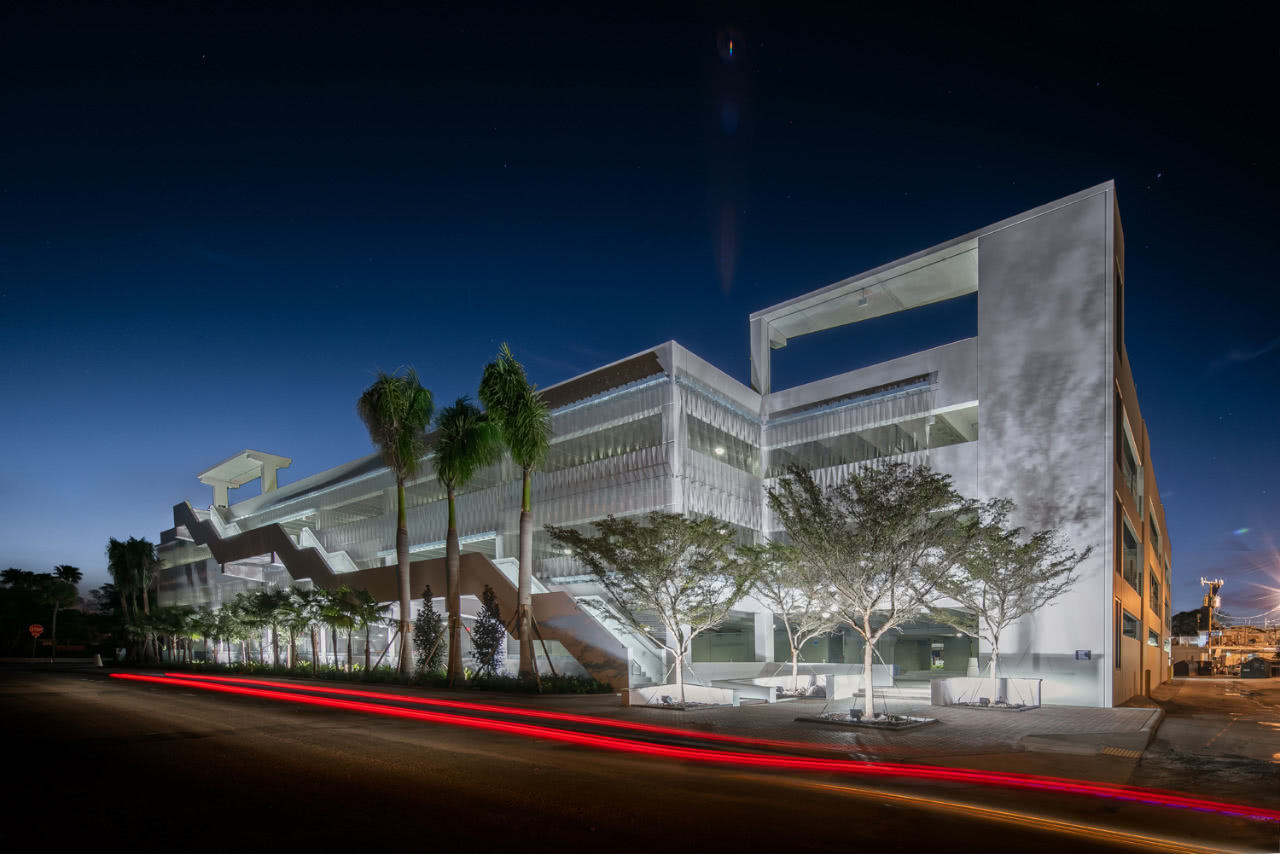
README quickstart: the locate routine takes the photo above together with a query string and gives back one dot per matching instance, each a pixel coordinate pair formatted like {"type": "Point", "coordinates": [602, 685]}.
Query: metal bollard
{"type": "Point", "coordinates": [97, 660]}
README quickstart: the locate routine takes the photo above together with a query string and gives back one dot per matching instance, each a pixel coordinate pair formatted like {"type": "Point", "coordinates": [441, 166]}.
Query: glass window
{"type": "Point", "coordinates": [645, 432]}
{"type": "Point", "coordinates": [1154, 594]}
{"type": "Point", "coordinates": [1155, 535]}
{"type": "Point", "coordinates": [1130, 568]}
{"type": "Point", "coordinates": [1132, 625]}
{"type": "Point", "coordinates": [1117, 634]}
{"type": "Point", "coordinates": [719, 445]}
{"type": "Point", "coordinates": [887, 440]}
{"type": "Point", "coordinates": [1153, 637]}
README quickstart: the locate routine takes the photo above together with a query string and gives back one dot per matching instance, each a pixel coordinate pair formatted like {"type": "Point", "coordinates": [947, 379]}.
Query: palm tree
{"type": "Point", "coordinates": [296, 618]}
{"type": "Point", "coordinates": [396, 410]}
{"type": "Point", "coordinates": [122, 575]}
{"type": "Point", "coordinates": [367, 611]}
{"type": "Point", "coordinates": [248, 624]}
{"type": "Point", "coordinates": [466, 441]}
{"type": "Point", "coordinates": [337, 615]}
{"type": "Point", "coordinates": [271, 606]}
{"type": "Point", "coordinates": [311, 605]}
{"type": "Point", "coordinates": [65, 579]}
{"type": "Point", "coordinates": [524, 420]}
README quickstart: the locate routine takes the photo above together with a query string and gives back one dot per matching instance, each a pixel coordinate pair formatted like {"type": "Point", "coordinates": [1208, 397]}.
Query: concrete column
{"type": "Point", "coordinates": [220, 493]}
{"type": "Point", "coordinates": [764, 635]}
{"type": "Point", "coordinates": [268, 478]}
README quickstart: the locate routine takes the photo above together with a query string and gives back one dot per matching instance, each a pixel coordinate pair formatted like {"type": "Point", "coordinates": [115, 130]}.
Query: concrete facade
{"type": "Point", "coordinates": [1027, 410]}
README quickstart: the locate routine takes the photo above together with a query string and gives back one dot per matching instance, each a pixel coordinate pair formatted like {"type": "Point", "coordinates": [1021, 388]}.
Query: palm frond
{"type": "Point", "coordinates": [396, 410]}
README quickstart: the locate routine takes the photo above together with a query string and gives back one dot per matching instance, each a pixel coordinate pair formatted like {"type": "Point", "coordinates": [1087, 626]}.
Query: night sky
{"type": "Point", "coordinates": [216, 222]}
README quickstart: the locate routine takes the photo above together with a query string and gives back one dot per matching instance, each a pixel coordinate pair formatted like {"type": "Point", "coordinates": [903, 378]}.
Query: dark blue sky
{"type": "Point", "coordinates": [215, 223]}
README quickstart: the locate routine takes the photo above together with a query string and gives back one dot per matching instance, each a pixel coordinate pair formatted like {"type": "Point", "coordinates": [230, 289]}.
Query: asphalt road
{"type": "Point", "coordinates": [93, 760]}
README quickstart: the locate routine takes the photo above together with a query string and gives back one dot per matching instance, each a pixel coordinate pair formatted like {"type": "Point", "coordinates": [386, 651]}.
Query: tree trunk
{"type": "Point", "coordinates": [680, 674]}
{"type": "Point", "coordinates": [348, 650]}
{"type": "Point", "coordinates": [453, 580]}
{"type": "Point", "coordinates": [293, 647]}
{"type": "Point", "coordinates": [995, 684]}
{"type": "Point", "coordinates": [524, 593]}
{"type": "Point", "coordinates": [795, 670]}
{"type": "Point", "coordinates": [275, 646]}
{"type": "Point", "coordinates": [315, 651]}
{"type": "Point", "coordinates": [402, 558]}
{"type": "Point", "coordinates": [53, 634]}
{"type": "Point", "coordinates": [366, 651]}
{"type": "Point", "coordinates": [244, 652]}
{"type": "Point", "coordinates": [333, 636]}
{"type": "Point", "coordinates": [867, 680]}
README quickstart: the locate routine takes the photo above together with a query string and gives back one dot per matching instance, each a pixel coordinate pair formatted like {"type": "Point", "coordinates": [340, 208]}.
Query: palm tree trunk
{"type": "Point", "coordinates": [524, 592]}
{"type": "Point", "coordinates": [293, 647]}
{"type": "Point", "coordinates": [348, 650]}
{"type": "Point", "coordinates": [453, 581]}
{"type": "Point", "coordinates": [402, 559]}
{"type": "Point", "coordinates": [315, 650]}
{"type": "Point", "coordinates": [366, 650]}
{"type": "Point", "coordinates": [275, 646]}
{"type": "Point", "coordinates": [333, 635]}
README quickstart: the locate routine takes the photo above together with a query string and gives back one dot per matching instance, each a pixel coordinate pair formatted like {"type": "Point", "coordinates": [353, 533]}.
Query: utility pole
{"type": "Point", "coordinates": [1211, 601]}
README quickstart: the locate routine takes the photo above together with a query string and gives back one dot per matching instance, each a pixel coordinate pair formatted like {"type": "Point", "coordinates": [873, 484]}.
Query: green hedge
{"type": "Point", "coordinates": [558, 684]}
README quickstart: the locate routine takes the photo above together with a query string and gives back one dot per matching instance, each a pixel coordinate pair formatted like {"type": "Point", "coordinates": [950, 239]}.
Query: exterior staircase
{"type": "Point", "coordinates": [600, 651]}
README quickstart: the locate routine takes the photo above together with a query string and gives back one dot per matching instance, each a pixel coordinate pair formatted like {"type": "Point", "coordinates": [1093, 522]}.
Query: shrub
{"type": "Point", "coordinates": [428, 635]}
{"type": "Point", "coordinates": [487, 635]}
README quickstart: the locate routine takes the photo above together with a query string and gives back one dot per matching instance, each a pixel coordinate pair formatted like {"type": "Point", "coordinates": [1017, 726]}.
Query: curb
{"type": "Point", "coordinates": [1152, 726]}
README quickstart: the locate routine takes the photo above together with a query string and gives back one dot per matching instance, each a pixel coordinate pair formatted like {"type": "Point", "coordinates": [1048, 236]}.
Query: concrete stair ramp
{"type": "Point", "coordinates": [558, 615]}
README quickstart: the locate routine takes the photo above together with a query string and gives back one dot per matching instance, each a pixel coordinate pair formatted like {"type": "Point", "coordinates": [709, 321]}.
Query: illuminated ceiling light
{"type": "Point", "coordinates": [719, 449]}
{"type": "Point", "coordinates": [566, 551]}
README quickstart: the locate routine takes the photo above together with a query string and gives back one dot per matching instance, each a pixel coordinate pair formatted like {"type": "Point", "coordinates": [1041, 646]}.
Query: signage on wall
{"type": "Point", "coordinates": [1084, 654]}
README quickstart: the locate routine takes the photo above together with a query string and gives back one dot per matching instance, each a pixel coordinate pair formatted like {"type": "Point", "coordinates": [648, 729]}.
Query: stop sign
{"type": "Point", "coordinates": [36, 630]}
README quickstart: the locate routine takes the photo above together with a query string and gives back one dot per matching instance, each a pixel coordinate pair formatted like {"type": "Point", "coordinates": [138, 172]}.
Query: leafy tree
{"type": "Point", "coordinates": [524, 421]}
{"type": "Point", "coordinates": [1189, 623]}
{"type": "Point", "coordinates": [466, 441]}
{"type": "Point", "coordinates": [396, 409]}
{"type": "Point", "coordinates": [683, 570]}
{"type": "Point", "coordinates": [796, 595]}
{"type": "Point", "coordinates": [61, 593]}
{"type": "Point", "coordinates": [487, 635]}
{"type": "Point", "coordinates": [1006, 575]}
{"type": "Point", "coordinates": [427, 631]}
{"type": "Point", "coordinates": [881, 542]}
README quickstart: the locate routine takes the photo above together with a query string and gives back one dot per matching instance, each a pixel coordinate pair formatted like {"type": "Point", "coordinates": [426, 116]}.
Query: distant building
{"type": "Point", "coordinates": [1040, 407]}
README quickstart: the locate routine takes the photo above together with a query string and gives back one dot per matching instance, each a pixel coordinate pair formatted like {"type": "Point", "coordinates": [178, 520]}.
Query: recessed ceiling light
{"type": "Point", "coordinates": [719, 449]}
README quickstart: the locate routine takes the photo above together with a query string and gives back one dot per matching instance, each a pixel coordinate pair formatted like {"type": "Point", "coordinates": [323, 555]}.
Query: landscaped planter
{"type": "Point", "coordinates": [695, 696]}
{"type": "Point", "coordinates": [887, 723]}
{"type": "Point", "coordinates": [1002, 694]}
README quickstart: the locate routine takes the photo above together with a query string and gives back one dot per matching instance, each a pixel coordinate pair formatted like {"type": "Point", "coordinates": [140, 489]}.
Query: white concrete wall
{"type": "Point", "coordinates": [1044, 386]}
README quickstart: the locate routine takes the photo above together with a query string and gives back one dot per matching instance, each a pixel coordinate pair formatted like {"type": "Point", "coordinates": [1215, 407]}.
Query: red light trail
{"type": "Point", "coordinates": [567, 717]}
{"type": "Point", "coordinates": [704, 755]}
